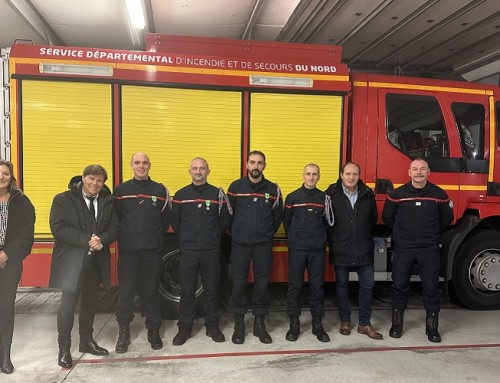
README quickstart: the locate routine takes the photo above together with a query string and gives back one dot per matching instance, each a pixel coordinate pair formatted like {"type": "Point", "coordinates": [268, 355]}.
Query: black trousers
{"type": "Point", "coordinates": [139, 271]}
{"type": "Point", "coordinates": [87, 287]}
{"type": "Point", "coordinates": [9, 279]}
{"type": "Point", "coordinates": [427, 262]}
{"type": "Point", "coordinates": [195, 263]}
{"type": "Point", "coordinates": [298, 262]}
{"type": "Point", "coordinates": [261, 256]}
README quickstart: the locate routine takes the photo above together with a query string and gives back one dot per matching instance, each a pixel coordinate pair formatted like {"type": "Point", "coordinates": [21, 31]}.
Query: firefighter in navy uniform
{"type": "Point", "coordinates": [417, 212]}
{"type": "Point", "coordinates": [200, 215]}
{"type": "Point", "coordinates": [308, 212]}
{"type": "Point", "coordinates": [144, 211]}
{"type": "Point", "coordinates": [257, 214]}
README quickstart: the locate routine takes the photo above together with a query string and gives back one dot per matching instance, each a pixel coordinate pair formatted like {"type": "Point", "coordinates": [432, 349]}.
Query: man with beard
{"type": "Point", "coordinates": [417, 212]}
{"type": "Point", "coordinates": [257, 213]}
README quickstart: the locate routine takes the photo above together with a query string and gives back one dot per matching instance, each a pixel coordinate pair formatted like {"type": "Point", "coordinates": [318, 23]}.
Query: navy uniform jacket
{"type": "Point", "coordinates": [305, 219]}
{"type": "Point", "coordinates": [257, 210]}
{"type": "Point", "coordinates": [417, 217]}
{"type": "Point", "coordinates": [143, 208]}
{"type": "Point", "coordinates": [200, 216]}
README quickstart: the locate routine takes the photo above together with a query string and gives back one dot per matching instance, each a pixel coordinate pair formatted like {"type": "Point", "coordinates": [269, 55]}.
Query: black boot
{"type": "Point", "coordinates": [182, 336]}
{"type": "Point", "coordinates": [431, 327]}
{"type": "Point", "coordinates": [319, 331]}
{"type": "Point", "coordinates": [5, 363]}
{"type": "Point", "coordinates": [259, 330]}
{"type": "Point", "coordinates": [155, 340]}
{"type": "Point", "coordinates": [396, 330]}
{"type": "Point", "coordinates": [123, 339]}
{"type": "Point", "coordinates": [239, 329]}
{"type": "Point", "coordinates": [293, 334]}
{"type": "Point", "coordinates": [64, 357]}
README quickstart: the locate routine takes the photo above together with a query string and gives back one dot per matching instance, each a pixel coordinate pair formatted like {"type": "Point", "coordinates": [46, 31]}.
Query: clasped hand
{"type": "Point", "coordinates": [95, 243]}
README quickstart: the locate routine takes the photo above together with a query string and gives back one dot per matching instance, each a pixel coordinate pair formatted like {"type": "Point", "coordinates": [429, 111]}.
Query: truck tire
{"type": "Point", "coordinates": [170, 282]}
{"type": "Point", "coordinates": [476, 272]}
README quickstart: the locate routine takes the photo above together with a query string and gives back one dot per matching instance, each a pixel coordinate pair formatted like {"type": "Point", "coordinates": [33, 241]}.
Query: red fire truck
{"type": "Point", "coordinates": [66, 107]}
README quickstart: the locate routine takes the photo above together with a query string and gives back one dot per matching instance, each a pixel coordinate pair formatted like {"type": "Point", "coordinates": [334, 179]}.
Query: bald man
{"type": "Point", "coordinates": [200, 216]}
{"type": "Point", "coordinates": [144, 211]}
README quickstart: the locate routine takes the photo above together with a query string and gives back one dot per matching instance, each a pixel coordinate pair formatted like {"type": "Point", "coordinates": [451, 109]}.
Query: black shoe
{"type": "Point", "coordinates": [293, 333]}
{"type": "Point", "coordinates": [259, 330]}
{"type": "Point", "coordinates": [5, 363]}
{"type": "Point", "coordinates": [64, 358]}
{"type": "Point", "coordinates": [319, 331]}
{"type": "Point", "coordinates": [181, 337]}
{"type": "Point", "coordinates": [431, 327]}
{"type": "Point", "coordinates": [216, 334]}
{"type": "Point", "coordinates": [396, 330]}
{"type": "Point", "coordinates": [239, 329]}
{"type": "Point", "coordinates": [93, 348]}
{"type": "Point", "coordinates": [123, 339]}
{"type": "Point", "coordinates": [154, 339]}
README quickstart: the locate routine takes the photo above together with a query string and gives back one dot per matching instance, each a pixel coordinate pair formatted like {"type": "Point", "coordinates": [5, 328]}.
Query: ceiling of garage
{"type": "Point", "coordinates": [436, 38]}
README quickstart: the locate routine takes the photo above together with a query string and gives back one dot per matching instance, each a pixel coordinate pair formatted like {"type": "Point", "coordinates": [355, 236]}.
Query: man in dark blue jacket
{"type": "Point", "coordinates": [144, 211]}
{"type": "Point", "coordinates": [257, 213]}
{"type": "Point", "coordinates": [200, 215]}
{"type": "Point", "coordinates": [351, 246]}
{"type": "Point", "coordinates": [308, 212]}
{"type": "Point", "coordinates": [417, 212]}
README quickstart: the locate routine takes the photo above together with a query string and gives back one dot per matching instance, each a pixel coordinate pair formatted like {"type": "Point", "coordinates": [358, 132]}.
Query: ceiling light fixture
{"type": "Point", "coordinates": [135, 13]}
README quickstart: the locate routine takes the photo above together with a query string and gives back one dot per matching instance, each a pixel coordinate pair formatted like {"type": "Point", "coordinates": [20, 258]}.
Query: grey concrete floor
{"type": "Point", "coordinates": [470, 351]}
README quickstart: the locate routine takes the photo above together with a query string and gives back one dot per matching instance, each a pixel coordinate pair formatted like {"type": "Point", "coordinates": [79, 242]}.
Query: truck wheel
{"type": "Point", "coordinates": [170, 286]}
{"type": "Point", "coordinates": [476, 272]}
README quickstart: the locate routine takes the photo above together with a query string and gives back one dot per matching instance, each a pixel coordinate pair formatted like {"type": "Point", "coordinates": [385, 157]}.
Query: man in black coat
{"type": "Point", "coordinates": [84, 223]}
{"type": "Point", "coordinates": [200, 215]}
{"type": "Point", "coordinates": [351, 246]}
{"type": "Point", "coordinates": [308, 213]}
{"type": "Point", "coordinates": [417, 212]}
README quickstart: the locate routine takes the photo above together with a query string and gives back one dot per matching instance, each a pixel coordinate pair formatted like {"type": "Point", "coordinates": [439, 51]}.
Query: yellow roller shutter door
{"type": "Point", "coordinates": [65, 126]}
{"type": "Point", "coordinates": [294, 130]}
{"type": "Point", "coordinates": [175, 125]}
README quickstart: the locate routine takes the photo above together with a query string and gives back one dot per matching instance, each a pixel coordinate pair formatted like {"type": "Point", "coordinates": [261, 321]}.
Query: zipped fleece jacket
{"type": "Point", "coordinates": [200, 216]}
{"type": "Point", "coordinates": [143, 207]}
{"type": "Point", "coordinates": [417, 217]}
{"type": "Point", "coordinates": [257, 210]}
{"type": "Point", "coordinates": [305, 220]}
{"type": "Point", "coordinates": [351, 237]}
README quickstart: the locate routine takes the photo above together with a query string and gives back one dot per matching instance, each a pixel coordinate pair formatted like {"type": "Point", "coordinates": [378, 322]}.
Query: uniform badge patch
{"type": "Point", "coordinates": [450, 204]}
{"type": "Point", "coordinates": [154, 199]}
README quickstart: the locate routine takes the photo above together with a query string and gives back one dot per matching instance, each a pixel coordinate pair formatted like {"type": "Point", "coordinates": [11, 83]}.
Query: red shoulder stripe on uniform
{"type": "Point", "coordinates": [239, 195]}
{"type": "Point", "coordinates": [305, 205]}
{"type": "Point", "coordinates": [130, 196]}
{"type": "Point", "coordinates": [438, 200]}
{"type": "Point", "coordinates": [198, 200]}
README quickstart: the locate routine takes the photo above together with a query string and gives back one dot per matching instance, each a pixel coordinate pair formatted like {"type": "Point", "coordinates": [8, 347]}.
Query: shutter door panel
{"type": "Point", "coordinates": [294, 130]}
{"type": "Point", "coordinates": [175, 125]}
{"type": "Point", "coordinates": [65, 127]}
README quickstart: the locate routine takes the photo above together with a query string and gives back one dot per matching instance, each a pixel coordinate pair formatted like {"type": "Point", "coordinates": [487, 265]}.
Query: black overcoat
{"type": "Point", "coordinates": [69, 223]}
